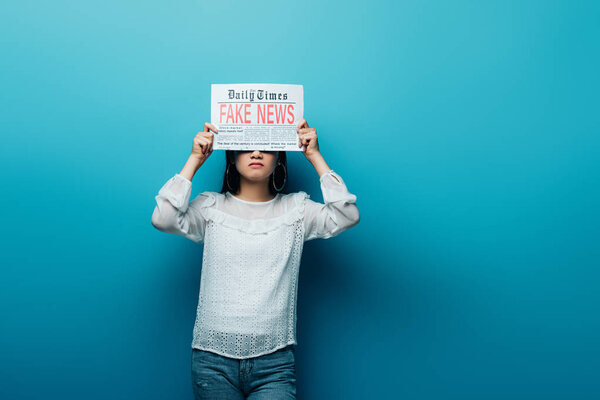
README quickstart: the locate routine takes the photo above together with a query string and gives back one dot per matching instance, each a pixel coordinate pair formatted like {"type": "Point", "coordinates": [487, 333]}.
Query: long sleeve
{"type": "Point", "coordinates": [335, 216]}
{"type": "Point", "coordinates": [174, 213]}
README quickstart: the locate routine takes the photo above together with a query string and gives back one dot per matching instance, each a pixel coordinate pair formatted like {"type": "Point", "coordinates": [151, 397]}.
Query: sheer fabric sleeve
{"type": "Point", "coordinates": [335, 216]}
{"type": "Point", "coordinates": [174, 213]}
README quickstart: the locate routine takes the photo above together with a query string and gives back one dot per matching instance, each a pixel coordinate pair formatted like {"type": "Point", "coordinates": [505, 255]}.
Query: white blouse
{"type": "Point", "coordinates": [252, 250]}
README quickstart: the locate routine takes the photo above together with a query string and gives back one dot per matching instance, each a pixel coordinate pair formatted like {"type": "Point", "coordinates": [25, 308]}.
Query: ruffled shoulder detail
{"type": "Point", "coordinates": [204, 201]}
{"type": "Point", "coordinates": [261, 225]}
{"type": "Point", "coordinates": [300, 200]}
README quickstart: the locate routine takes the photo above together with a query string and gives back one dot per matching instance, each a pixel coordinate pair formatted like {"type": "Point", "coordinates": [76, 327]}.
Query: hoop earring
{"type": "Point", "coordinates": [284, 177]}
{"type": "Point", "coordinates": [227, 177]}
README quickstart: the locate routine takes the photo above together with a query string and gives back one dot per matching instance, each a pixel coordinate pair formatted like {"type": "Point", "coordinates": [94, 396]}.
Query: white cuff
{"type": "Point", "coordinates": [177, 191]}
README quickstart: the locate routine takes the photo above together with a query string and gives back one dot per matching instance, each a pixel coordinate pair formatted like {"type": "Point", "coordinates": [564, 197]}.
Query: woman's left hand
{"type": "Point", "coordinates": [307, 138]}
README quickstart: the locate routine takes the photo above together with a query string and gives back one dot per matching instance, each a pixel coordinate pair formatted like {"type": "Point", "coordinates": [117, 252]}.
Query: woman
{"type": "Point", "coordinates": [245, 332]}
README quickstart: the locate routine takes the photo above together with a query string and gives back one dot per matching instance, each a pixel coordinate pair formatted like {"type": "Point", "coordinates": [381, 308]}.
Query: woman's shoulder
{"type": "Point", "coordinates": [220, 196]}
{"type": "Point", "coordinates": [299, 193]}
{"type": "Point", "coordinates": [212, 194]}
{"type": "Point", "coordinates": [206, 199]}
{"type": "Point", "coordinates": [298, 197]}
{"type": "Point", "coordinates": [215, 206]}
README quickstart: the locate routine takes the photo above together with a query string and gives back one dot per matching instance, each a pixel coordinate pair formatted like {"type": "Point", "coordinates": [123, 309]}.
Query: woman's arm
{"type": "Point", "coordinates": [339, 212]}
{"type": "Point", "coordinates": [174, 213]}
{"type": "Point", "coordinates": [202, 148]}
{"type": "Point", "coordinates": [307, 139]}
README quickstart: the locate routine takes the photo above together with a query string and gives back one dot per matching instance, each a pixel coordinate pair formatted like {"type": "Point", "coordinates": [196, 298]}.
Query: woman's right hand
{"type": "Point", "coordinates": [203, 142]}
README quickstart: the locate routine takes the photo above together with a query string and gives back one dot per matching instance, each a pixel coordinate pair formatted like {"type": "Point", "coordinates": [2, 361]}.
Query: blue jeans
{"type": "Point", "coordinates": [270, 376]}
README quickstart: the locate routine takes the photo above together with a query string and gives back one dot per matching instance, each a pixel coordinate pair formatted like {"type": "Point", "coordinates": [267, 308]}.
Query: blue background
{"type": "Point", "coordinates": [468, 131]}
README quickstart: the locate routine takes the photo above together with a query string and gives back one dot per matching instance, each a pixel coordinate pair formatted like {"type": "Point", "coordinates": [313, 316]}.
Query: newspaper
{"type": "Point", "coordinates": [256, 116]}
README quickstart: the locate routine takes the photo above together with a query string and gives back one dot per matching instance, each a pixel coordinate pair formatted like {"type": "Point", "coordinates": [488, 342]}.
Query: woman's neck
{"type": "Point", "coordinates": [254, 190]}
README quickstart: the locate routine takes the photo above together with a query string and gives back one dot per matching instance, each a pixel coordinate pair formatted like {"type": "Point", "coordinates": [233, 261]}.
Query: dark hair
{"type": "Point", "coordinates": [277, 178]}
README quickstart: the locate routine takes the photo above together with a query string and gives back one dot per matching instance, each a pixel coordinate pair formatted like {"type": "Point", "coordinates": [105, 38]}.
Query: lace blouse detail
{"type": "Point", "coordinates": [252, 252]}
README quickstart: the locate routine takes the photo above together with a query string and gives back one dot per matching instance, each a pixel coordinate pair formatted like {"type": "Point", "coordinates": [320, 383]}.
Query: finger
{"type": "Point", "coordinates": [201, 140]}
{"type": "Point", "coordinates": [301, 137]}
{"type": "Point", "coordinates": [307, 130]}
{"type": "Point", "coordinates": [303, 133]}
{"type": "Point", "coordinates": [203, 143]}
{"type": "Point", "coordinates": [300, 144]}
{"type": "Point", "coordinates": [207, 135]}
{"type": "Point", "coordinates": [198, 141]}
{"type": "Point", "coordinates": [210, 127]}
{"type": "Point", "coordinates": [301, 124]}
{"type": "Point", "coordinates": [309, 135]}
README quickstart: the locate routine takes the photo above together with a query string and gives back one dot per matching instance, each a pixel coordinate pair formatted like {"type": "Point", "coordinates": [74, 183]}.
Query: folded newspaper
{"type": "Point", "coordinates": [256, 116]}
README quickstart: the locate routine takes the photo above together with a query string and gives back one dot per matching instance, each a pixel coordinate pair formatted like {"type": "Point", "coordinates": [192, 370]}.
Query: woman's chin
{"type": "Point", "coordinates": [256, 176]}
